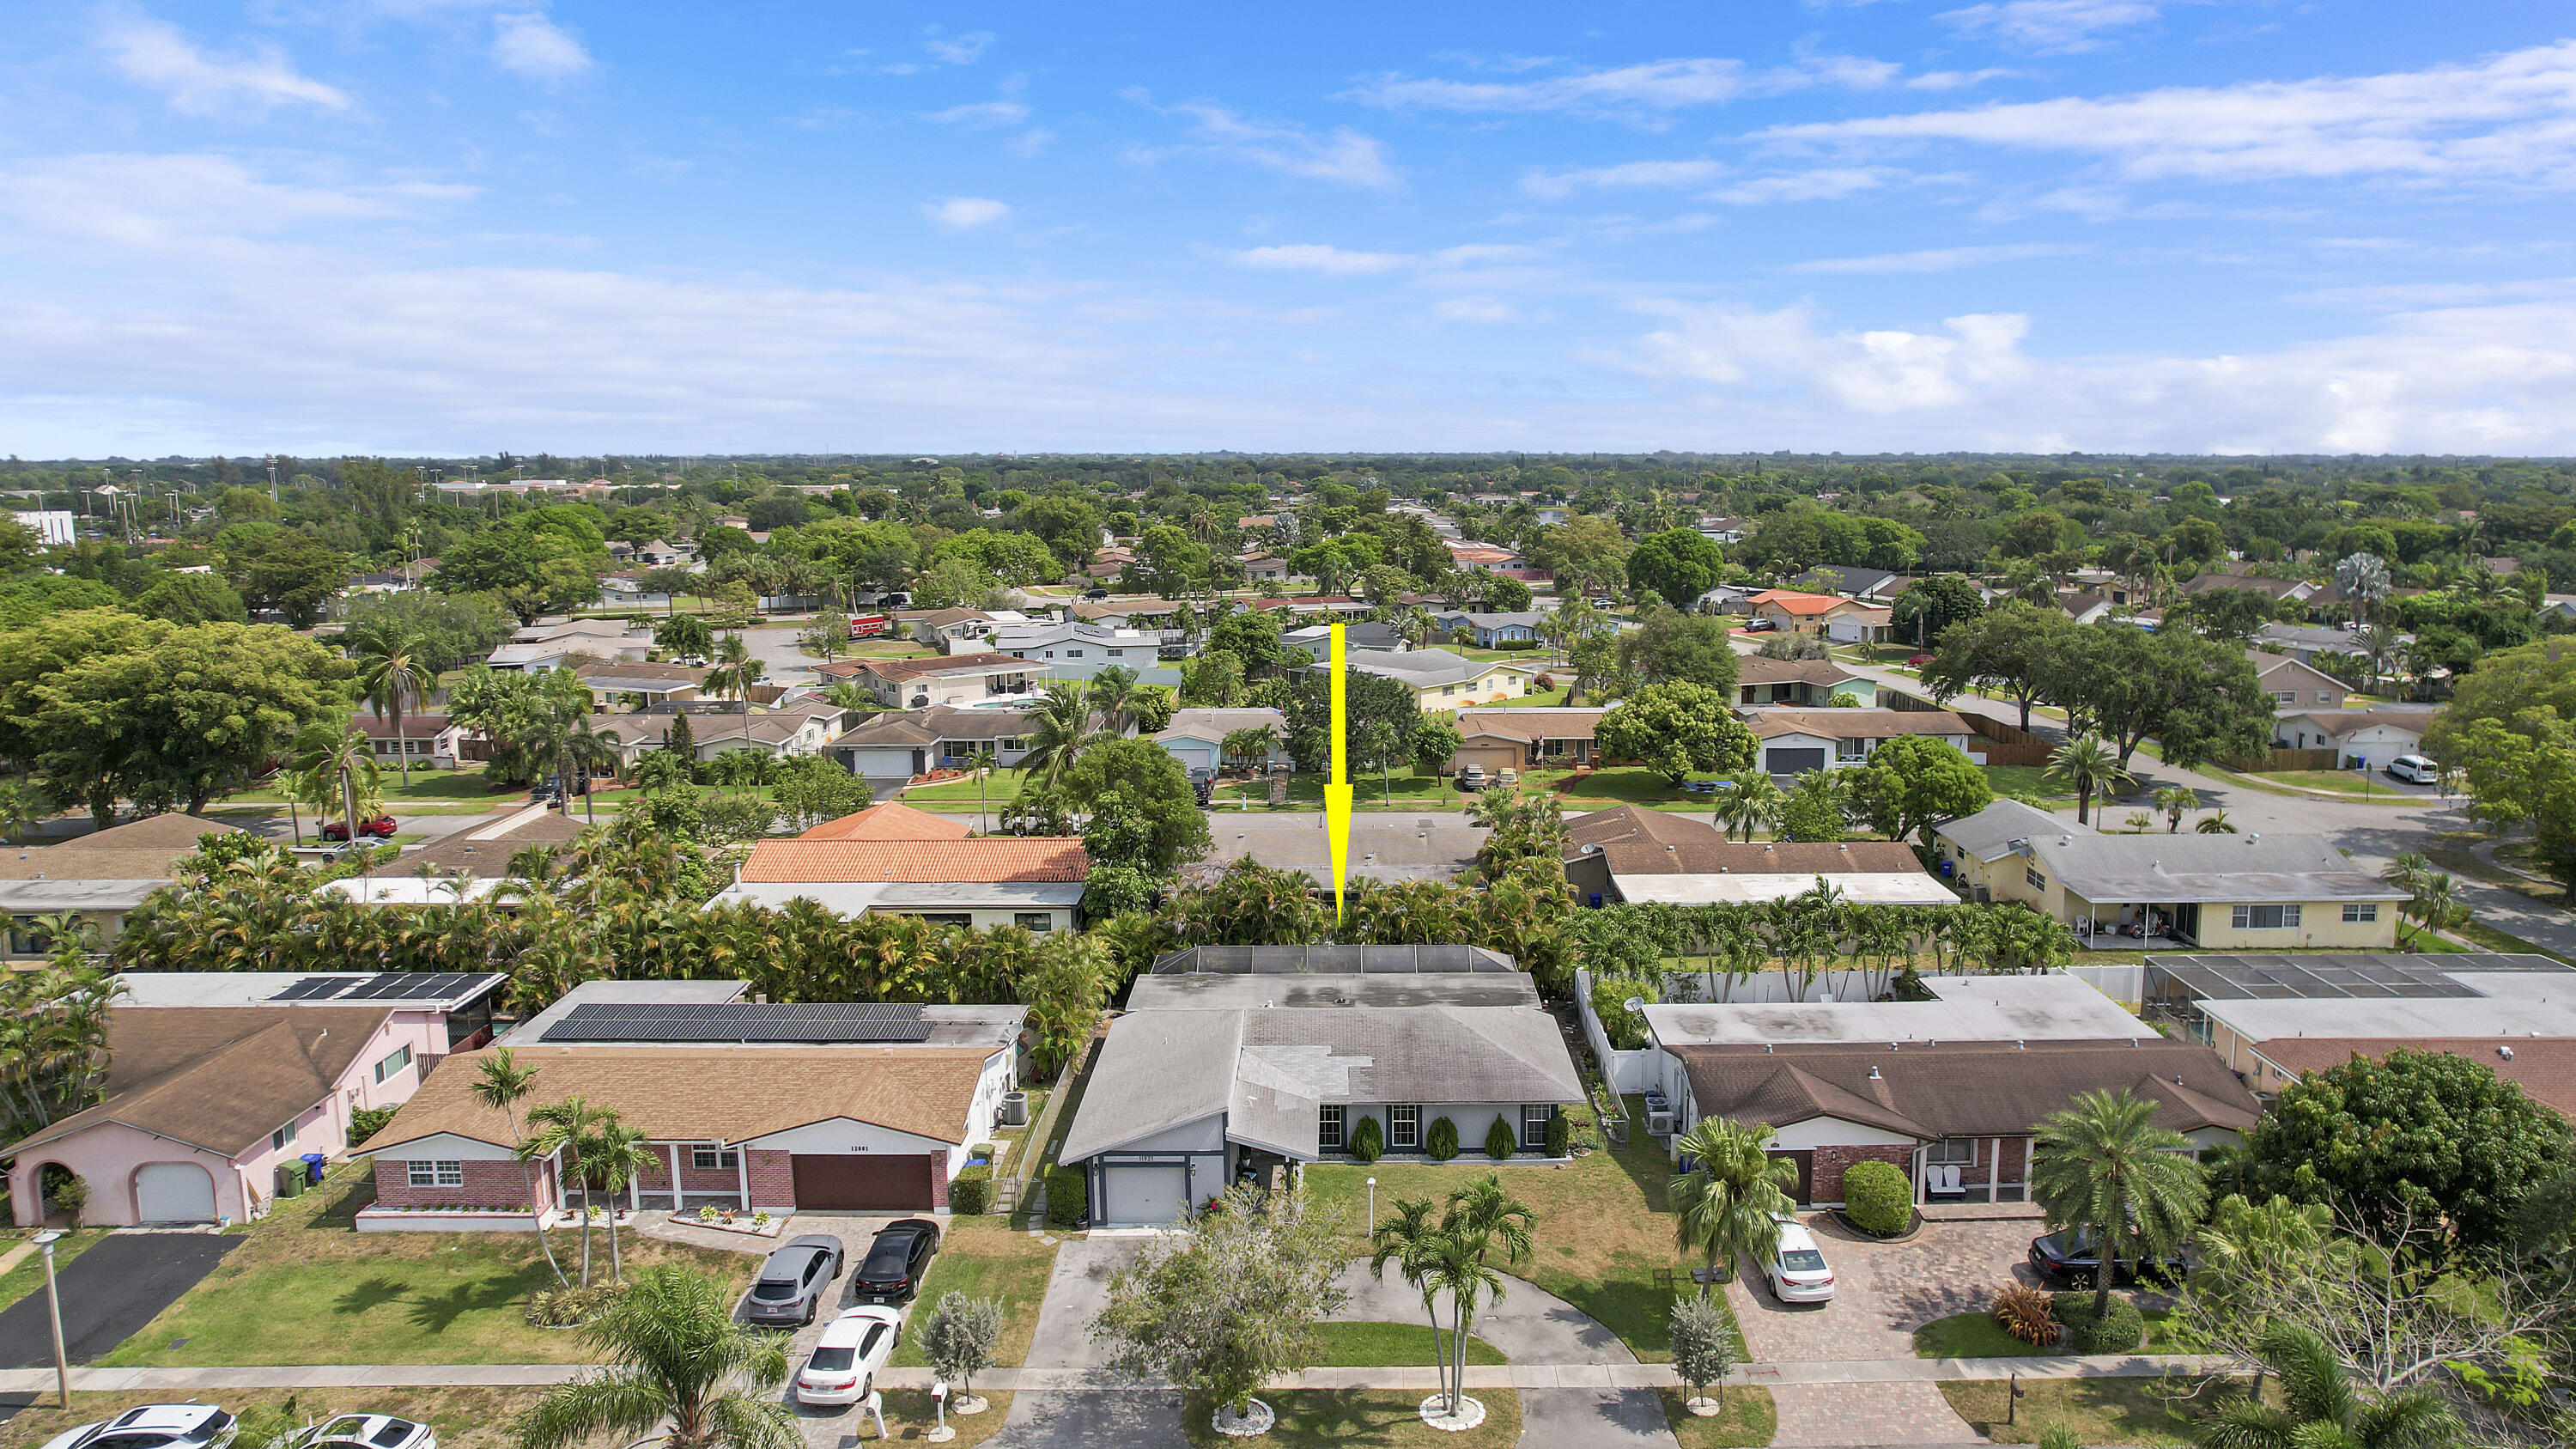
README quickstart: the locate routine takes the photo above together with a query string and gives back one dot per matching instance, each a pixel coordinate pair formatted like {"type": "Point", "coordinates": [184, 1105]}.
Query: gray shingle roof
{"type": "Point", "coordinates": [2166, 867]}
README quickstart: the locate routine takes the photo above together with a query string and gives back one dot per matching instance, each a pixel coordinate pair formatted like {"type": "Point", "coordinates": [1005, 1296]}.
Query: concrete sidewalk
{"type": "Point", "coordinates": [1079, 1380]}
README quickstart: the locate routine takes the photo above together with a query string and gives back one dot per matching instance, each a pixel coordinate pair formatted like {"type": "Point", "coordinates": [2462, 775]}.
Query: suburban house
{"type": "Point", "coordinates": [1548, 737]}
{"type": "Point", "coordinates": [778, 1107]}
{"type": "Point", "coordinates": [2304, 642]}
{"type": "Point", "coordinates": [208, 1095]}
{"type": "Point", "coordinates": [1072, 649]}
{"type": "Point", "coordinates": [1032, 882]}
{"type": "Point", "coordinates": [890, 821]}
{"type": "Point", "coordinates": [1724, 530]}
{"type": "Point", "coordinates": [2273, 589]}
{"type": "Point", "coordinates": [97, 877]}
{"type": "Point", "coordinates": [1726, 599]}
{"type": "Point", "coordinates": [1317, 639]}
{"type": "Point", "coordinates": [1794, 611]}
{"type": "Point", "coordinates": [1955, 1115]}
{"type": "Point", "coordinates": [890, 749]}
{"type": "Point", "coordinates": [1490, 630]}
{"type": "Point", "coordinates": [959, 680]}
{"type": "Point", "coordinates": [2363, 739]}
{"type": "Point", "coordinates": [1224, 1070]}
{"type": "Point", "coordinates": [1651, 856]}
{"type": "Point", "coordinates": [542, 646]}
{"type": "Point", "coordinates": [1852, 581]}
{"type": "Point", "coordinates": [1439, 679]}
{"type": "Point", "coordinates": [942, 628]}
{"type": "Point", "coordinates": [1487, 558]}
{"type": "Point", "coordinates": [1265, 569]}
{"type": "Point", "coordinates": [2295, 685]}
{"type": "Point", "coordinates": [1803, 683]}
{"type": "Point", "coordinates": [1795, 741]}
{"type": "Point", "coordinates": [623, 681]}
{"type": "Point", "coordinates": [2247, 891]}
{"type": "Point", "coordinates": [777, 733]}
{"type": "Point", "coordinates": [468, 865]}
{"type": "Point", "coordinates": [430, 741]}
{"type": "Point", "coordinates": [1196, 737]}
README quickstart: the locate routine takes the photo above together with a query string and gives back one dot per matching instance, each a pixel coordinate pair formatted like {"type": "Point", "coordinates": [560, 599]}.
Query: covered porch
{"type": "Point", "coordinates": [2134, 925]}
{"type": "Point", "coordinates": [1972, 1170]}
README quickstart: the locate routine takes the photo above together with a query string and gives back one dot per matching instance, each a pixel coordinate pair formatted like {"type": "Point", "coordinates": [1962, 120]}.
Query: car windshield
{"type": "Point", "coordinates": [831, 1360]}
{"type": "Point", "coordinates": [392, 1432]}
{"type": "Point", "coordinates": [1801, 1260]}
{"type": "Point", "coordinates": [775, 1292]}
{"type": "Point", "coordinates": [214, 1425]}
{"type": "Point", "coordinates": [889, 1255]}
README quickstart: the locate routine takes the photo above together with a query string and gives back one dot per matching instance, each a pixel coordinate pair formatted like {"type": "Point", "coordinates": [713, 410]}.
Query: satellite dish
{"type": "Point", "coordinates": [1635, 1003]}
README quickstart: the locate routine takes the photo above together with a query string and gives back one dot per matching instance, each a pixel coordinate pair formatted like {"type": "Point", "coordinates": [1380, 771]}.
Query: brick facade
{"type": "Point", "coordinates": [773, 1179]}
{"type": "Point", "coordinates": [1832, 1162]}
{"type": "Point", "coordinates": [487, 1184]}
{"type": "Point", "coordinates": [939, 1186]}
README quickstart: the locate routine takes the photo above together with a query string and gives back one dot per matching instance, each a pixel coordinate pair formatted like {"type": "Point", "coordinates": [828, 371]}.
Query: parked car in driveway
{"type": "Point", "coordinates": [1471, 778]}
{"type": "Point", "coordinates": [154, 1426]}
{"type": "Point", "coordinates": [2068, 1255]}
{"type": "Point", "coordinates": [843, 1366]}
{"type": "Point", "coordinates": [1798, 1271]}
{"type": "Point", "coordinates": [2415, 769]}
{"type": "Point", "coordinates": [381, 827]}
{"type": "Point", "coordinates": [897, 1258]}
{"type": "Point", "coordinates": [365, 1431]}
{"type": "Point", "coordinates": [794, 1281]}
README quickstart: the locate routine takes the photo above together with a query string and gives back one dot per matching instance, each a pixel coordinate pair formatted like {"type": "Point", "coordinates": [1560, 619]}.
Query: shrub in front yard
{"type": "Point", "coordinates": [1877, 1198]}
{"type": "Point", "coordinates": [1441, 1142]}
{"type": "Point", "coordinates": [1068, 1197]}
{"type": "Point", "coordinates": [2026, 1313]}
{"type": "Point", "coordinates": [971, 1192]}
{"type": "Point", "coordinates": [1499, 1141]}
{"type": "Point", "coordinates": [1368, 1140]}
{"type": "Point", "coordinates": [1560, 1135]}
{"type": "Point", "coordinates": [366, 1122]}
{"type": "Point", "coordinates": [2118, 1331]}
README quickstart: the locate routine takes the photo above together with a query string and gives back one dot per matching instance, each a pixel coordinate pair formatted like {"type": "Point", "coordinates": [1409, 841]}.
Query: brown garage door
{"type": "Point", "coordinates": [1492, 757]}
{"type": "Point", "coordinates": [830, 1180]}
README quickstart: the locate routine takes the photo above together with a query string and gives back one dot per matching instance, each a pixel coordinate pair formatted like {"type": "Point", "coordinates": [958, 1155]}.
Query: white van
{"type": "Point", "coordinates": [2415, 768]}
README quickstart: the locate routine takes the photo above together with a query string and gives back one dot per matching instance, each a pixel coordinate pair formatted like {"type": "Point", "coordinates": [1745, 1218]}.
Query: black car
{"type": "Point", "coordinates": [2069, 1256]}
{"type": "Point", "coordinates": [795, 1281]}
{"type": "Point", "coordinates": [897, 1258]}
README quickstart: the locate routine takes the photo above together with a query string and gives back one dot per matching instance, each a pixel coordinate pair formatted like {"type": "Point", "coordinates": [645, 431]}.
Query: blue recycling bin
{"type": "Point", "coordinates": [313, 1166]}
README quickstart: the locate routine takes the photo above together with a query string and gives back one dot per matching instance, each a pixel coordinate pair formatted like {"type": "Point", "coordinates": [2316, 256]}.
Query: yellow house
{"type": "Point", "coordinates": [2250, 892]}
{"type": "Point", "coordinates": [1441, 680]}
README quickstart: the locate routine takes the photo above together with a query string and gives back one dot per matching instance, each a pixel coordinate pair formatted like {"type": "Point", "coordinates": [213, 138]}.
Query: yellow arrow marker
{"type": "Point", "coordinates": [1337, 795]}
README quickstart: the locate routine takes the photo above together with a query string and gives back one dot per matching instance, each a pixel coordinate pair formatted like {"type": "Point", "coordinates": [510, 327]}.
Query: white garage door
{"type": "Point", "coordinates": [1193, 757]}
{"type": "Point", "coordinates": [1143, 1194]}
{"type": "Point", "coordinates": [174, 1192]}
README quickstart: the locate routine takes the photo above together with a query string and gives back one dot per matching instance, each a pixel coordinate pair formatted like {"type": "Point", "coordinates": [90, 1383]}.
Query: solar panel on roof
{"type": "Point", "coordinates": [742, 1021]}
{"type": "Point", "coordinates": [312, 988]}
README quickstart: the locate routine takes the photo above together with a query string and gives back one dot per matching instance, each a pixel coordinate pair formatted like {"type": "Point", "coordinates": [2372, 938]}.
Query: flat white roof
{"type": "Point", "coordinates": [1881, 888]}
{"type": "Point", "coordinates": [1971, 1008]}
{"type": "Point", "coordinates": [2537, 1014]}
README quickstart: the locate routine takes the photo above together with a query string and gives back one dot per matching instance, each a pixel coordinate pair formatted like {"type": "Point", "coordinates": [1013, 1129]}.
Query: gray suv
{"type": "Point", "coordinates": [794, 1282]}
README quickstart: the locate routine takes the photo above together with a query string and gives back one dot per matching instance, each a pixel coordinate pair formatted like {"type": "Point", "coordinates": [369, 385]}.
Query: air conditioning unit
{"type": "Point", "coordinates": [1659, 1123]}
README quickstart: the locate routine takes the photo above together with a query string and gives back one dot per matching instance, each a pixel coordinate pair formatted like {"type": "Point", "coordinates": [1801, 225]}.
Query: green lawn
{"type": "Point", "coordinates": [462, 1417]}
{"type": "Point", "coordinates": [1536, 699]}
{"type": "Point", "coordinates": [2029, 780]}
{"type": "Point", "coordinates": [1359, 1419]}
{"type": "Point", "coordinates": [982, 1257]}
{"type": "Point", "coordinates": [1000, 788]}
{"type": "Point", "coordinates": [1970, 1335]}
{"type": "Point", "coordinates": [306, 1287]}
{"type": "Point", "coordinates": [1604, 1226]}
{"type": "Point", "coordinates": [426, 786]}
{"type": "Point", "coordinates": [2143, 1411]}
{"type": "Point", "coordinates": [2358, 783]}
{"type": "Point", "coordinates": [2459, 861]}
{"type": "Point", "coordinates": [29, 1276]}
{"type": "Point", "coordinates": [1745, 1419]}
{"type": "Point", "coordinates": [1390, 1345]}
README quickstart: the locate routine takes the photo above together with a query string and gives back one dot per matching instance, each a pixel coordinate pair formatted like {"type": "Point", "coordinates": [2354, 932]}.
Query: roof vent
{"type": "Point", "coordinates": [1873, 1074]}
{"type": "Point", "coordinates": [1766, 1049]}
{"type": "Point", "coordinates": [2505, 1052]}
{"type": "Point", "coordinates": [2020, 1045]}
{"type": "Point", "coordinates": [2133, 1041]}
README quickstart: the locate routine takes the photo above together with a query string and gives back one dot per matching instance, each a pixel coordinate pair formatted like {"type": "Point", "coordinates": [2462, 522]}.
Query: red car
{"type": "Point", "coordinates": [382, 828]}
{"type": "Point", "coordinates": [1918, 661]}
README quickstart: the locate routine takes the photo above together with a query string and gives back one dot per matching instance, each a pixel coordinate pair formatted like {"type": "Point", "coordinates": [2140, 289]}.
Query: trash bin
{"type": "Point", "coordinates": [1015, 1109]}
{"type": "Point", "coordinates": [313, 1166]}
{"type": "Point", "coordinates": [290, 1179]}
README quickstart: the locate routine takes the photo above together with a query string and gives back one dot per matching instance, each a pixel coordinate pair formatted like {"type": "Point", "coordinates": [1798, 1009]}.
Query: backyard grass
{"type": "Point", "coordinates": [29, 1276]}
{"type": "Point", "coordinates": [1390, 1345]}
{"type": "Point", "coordinates": [2030, 780]}
{"type": "Point", "coordinates": [1604, 1226]}
{"type": "Point", "coordinates": [306, 1287]}
{"type": "Point", "coordinates": [463, 1418]}
{"type": "Point", "coordinates": [1745, 1419]}
{"type": "Point", "coordinates": [1363, 1418]}
{"type": "Point", "coordinates": [982, 1257]}
{"type": "Point", "coordinates": [2144, 1411]}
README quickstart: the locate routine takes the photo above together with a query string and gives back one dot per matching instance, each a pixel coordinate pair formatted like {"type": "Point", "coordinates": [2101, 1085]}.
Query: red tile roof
{"type": "Point", "coordinates": [889, 821]}
{"type": "Point", "coordinates": [1795, 602]}
{"type": "Point", "coordinates": [987, 860]}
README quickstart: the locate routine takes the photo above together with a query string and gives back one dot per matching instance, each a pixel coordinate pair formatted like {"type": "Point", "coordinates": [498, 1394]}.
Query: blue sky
{"type": "Point", "coordinates": [448, 226]}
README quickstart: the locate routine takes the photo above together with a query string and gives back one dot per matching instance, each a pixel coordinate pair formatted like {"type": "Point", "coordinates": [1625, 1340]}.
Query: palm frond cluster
{"type": "Point", "coordinates": [53, 1033]}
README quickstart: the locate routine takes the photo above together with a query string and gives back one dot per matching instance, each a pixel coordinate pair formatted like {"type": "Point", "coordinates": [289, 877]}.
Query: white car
{"type": "Point", "coordinates": [844, 1363]}
{"type": "Point", "coordinates": [366, 1431]}
{"type": "Point", "coordinates": [1798, 1270]}
{"type": "Point", "coordinates": [154, 1426]}
{"type": "Point", "coordinates": [2415, 768]}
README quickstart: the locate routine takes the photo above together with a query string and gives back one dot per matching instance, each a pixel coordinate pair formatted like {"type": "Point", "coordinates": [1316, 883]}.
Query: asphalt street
{"type": "Point", "coordinates": [109, 1293]}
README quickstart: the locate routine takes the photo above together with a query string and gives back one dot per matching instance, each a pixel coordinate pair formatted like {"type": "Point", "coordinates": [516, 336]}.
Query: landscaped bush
{"type": "Point", "coordinates": [971, 1192]}
{"type": "Point", "coordinates": [566, 1307]}
{"type": "Point", "coordinates": [2118, 1331]}
{"type": "Point", "coordinates": [1441, 1142]}
{"type": "Point", "coordinates": [366, 1122]}
{"type": "Point", "coordinates": [1877, 1199]}
{"type": "Point", "coordinates": [2027, 1314]}
{"type": "Point", "coordinates": [1068, 1197]}
{"type": "Point", "coordinates": [1515, 645]}
{"type": "Point", "coordinates": [1368, 1140]}
{"type": "Point", "coordinates": [1560, 1136]}
{"type": "Point", "coordinates": [1499, 1141]}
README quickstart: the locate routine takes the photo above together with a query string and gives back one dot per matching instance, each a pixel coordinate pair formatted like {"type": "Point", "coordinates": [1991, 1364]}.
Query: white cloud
{"type": "Point", "coordinates": [184, 202]}
{"type": "Point", "coordinates": [1341, 155]}
{"type": "Point", "coordinates": [1938, 259]}
{"type": "Point", "coordinates": [200, 83]}
{"type": "Point", "coordinates": [1823, 184]}
{"type": "Point", "coordinates": [533, 46]}
{"type": "Point", "coordinates": [1559, 184]}
{"type": "Point", "coordinates": [964, 50]}
{"type": "Point", "coordinates": [1647, 92]}
{"type": "Point", "coordinates": [1868, 372]}
{"type": "Point", "coordinates": [1475, 309]}
{"type": "Point", "coordinates": [981, 113]}
{"type": "Point", "coordinates": [2510, 117]}
{"type": "Point", "coordinates": [965, 213]}
{"type": "Point", "coordinates": [1315, 257]}
{"type": "Point", "coordinates": [2050, 25]}
{"type": "Point", "coordinates": [1030, 142]}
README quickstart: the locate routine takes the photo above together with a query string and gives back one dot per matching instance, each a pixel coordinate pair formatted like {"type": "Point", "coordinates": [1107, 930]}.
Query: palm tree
{"type": "Point", "coordinates": [503, 1085]}
{"type": "Point", "coordinates": [1457, 1265]}
{"type": "Point", "coordinates": [579, 752]}
{"type": "Point", "coordinates": [2322, 1408]}
{"type": "Point", "coordinates": [617, 1155]}
{"type": "Point", "coordinates": [2361, 580]}
{"type": "Point", "coordinates": [2216, 823]}
{"type": "Point", "coordinates": [2173, 800]}
{"type": "Point", "coordinates": [1110, 693]}
{"type": "Point", "coordinates": [1409, 1238]}
{"type": "Point", "coordinates": [395, 669]}
{"type": "Point", "coordinates": [676, 1357]}
{"type": "Point", "coordinates": [2104, 1166]}
{"type": "Point", "coordinates": [1059, 730]}
{"type": "Point", "coordinates": [982, 763]}
{"type": "Point", "coordinates": [2088, 763]}
{"type": "Point", "coordinates": [565, 1132]}
{"type": "Point", "coordinates": [1754, 801]}
{"type": "Point", "coordinates": [18, 810]}
{"type": "Point", "coordinates": [1731, 1201]}
{"type": "Point", "coordinates": [328, 750]}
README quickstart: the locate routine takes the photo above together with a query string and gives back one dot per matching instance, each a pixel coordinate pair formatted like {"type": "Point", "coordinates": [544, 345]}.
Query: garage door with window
{"type": "Point", "coordinates": [1143, 1192]}
{"type": "Point", "coordinates": [862, 1181]}
{"type": "Point", "coordinates": [174, 1192]}
{"type": "Point", "coordinates": [1793, 762]}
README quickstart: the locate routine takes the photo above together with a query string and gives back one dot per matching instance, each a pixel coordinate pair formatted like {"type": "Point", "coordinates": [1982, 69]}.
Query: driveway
{"type": "Point", "coordinates": [1109, 1417]}
{"type": "Point", "coordinates": [109, 1293]}
{"type": "Point", "coordinates": [824, 1426]}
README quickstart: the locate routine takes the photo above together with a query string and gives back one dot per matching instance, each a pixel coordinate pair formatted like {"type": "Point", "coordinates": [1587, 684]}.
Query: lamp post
{"type": "Point", "coordinates": [54, 1311]}
{"type": "Point", "coordinates": [1372, 1186]}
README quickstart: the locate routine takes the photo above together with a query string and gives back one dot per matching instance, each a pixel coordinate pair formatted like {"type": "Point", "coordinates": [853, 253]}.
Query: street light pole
{"type": "Point", "coordinates": [54, 1311]}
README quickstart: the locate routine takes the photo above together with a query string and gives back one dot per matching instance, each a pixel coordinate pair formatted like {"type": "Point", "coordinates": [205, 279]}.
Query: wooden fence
{"type": "Point", "coordinates": [2286, 759]}
{"type": "Point", "coordinates": [2005, 743]}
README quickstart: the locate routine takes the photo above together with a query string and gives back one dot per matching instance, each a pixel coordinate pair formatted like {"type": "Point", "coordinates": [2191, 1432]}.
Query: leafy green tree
{"type": "Point", "coordinates": [294, 573]}
{"type": "Point", "coordinates": [1435, 742]}
{"type": "Point", "coordinates": [451, 627]}
{"type": "Point", "coordinates": [1067, 523]}
{"type": "Point", "coordinates": [2199, 699]}
{"type": "Point", "coordinates": [1168, 562]}
{"type": "Point", "coordinates": [2231, 616]}
{"type": "Point", "coordinates": [2511, 730]}
{"type": "Point", "coordinates": [1677, 565]}
{"type": "Point", "coordinates": [961, 1336]}
{"type": "Point", "coordinates": [1923, 614]}
{"type": "Point", "coordinates": [1814, 808]}
{"type": "Point", "coordinates": [675, 1358]}
{"type": "Point", "coordinates": [2013, 647]}
{"type": "Point", "coordinates": [1143, 810]}
{"type": "Point", "coordinates": [1914, 783]}
{"type": "Point", "coordinates": [1251, 636]}
{"type": "Point", "coordinates": [1012, 560]}
{"type": "Point", "coordinates": [2104, 1166]}
{"type": "Point", "coordinates": [1703, 1343]}
{"type": "Point", "coordinates": [685, 636]}
{"type": "Point", "coordinates": [1382, 715]}
{"type": "Point", "coordinates": [2322, 1408]}
{"type": "Point", "coordinates": [1670, 646]}
{"type": "Point", "coordinates": [1675, 729]}
{"type": "Point", "coordinates": [1214, 679]}
{"type": "Point", "coordinates": [193, 599]}
{"type": "Point", "coordinates": [2429, 1134]}
{"type": "Point", "coordinates": [539, 563]}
